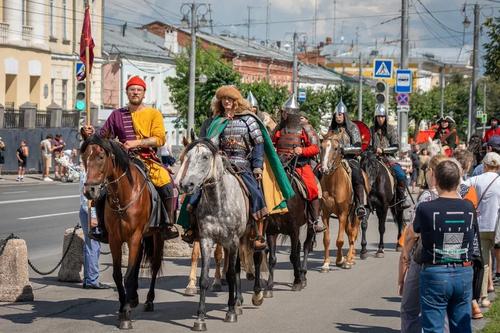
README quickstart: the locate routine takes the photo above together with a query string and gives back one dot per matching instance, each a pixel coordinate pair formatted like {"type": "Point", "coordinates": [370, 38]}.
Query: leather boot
{"type": "Point", "coordinates": [401, 194]}
{"type": "Point", "coordinates": [99, 233]}
{"type": "Point", "coordinates": [360, 209]}
{"type": "Point", "coordinates": [317, 223]}
{"type": "Point", "coordinates": [260, 242]}
{"type": "Point", "coordinates": [167, 227]}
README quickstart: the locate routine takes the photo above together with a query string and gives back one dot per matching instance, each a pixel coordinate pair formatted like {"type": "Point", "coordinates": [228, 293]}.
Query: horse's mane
{"type": "Point", "coordinates": [204, 141]}
{"type": "Point", "coordinates": [111, 147]}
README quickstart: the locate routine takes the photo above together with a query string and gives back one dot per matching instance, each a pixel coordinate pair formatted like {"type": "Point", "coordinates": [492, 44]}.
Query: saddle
{"type": "Point", "coordinates": [392, 176]}
{"type": "Point", "coordinates": [301, 186]}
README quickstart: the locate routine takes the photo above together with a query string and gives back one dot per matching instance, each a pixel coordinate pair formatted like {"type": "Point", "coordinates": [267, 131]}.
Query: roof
{"type": "Point", "coordinates": [136, 42]}
{"type": "Point", "coordinates": [318, 73]}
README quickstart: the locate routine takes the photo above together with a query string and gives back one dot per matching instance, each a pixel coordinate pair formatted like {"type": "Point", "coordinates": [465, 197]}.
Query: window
{"type": "Point", "coordinates": [64, 95]}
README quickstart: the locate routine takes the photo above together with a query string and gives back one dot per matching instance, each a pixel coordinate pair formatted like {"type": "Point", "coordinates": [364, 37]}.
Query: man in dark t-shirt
{"type": "Point", "coordinates": [447, 233]}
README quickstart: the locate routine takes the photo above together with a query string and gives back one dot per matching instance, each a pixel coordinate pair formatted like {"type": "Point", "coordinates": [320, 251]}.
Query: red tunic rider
{"type": "Point", "coordinates": [493, 130]}
{"type": "Point", "coordinates": [296, 139]}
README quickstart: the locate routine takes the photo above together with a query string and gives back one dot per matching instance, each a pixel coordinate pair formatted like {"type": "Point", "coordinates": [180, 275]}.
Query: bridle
{"type": "Point", "coordinates": [210, 179]}
{"type": "Point", "coordinates": [336, 162]}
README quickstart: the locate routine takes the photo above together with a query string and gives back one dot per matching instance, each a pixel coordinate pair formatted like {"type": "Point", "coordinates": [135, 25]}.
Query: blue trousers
{"type": "Point", "coordinates": [446, 290]}
{"type": "Point", "coordinates": [91, 250]}
{"type": "Point", "coordinates": [398, 171]}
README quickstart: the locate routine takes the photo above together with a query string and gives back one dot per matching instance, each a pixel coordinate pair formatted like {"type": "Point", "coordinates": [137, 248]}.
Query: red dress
{"type": "Point", "coordinates": [490, 133]}
{"type": "Point", "coordinates": [309, 150]}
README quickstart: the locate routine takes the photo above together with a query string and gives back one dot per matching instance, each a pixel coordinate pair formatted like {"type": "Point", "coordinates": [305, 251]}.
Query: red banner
{"type": "Point", "coordinates": [86, 40]}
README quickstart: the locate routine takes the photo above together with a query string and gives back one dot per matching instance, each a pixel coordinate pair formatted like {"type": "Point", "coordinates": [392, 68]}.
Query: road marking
{"type": "Point", "coordinates": [47, 215]}
{"type": "Point", "coordinates": [13, 192]}
{"type": "Point", "coordinates": [39, 199]}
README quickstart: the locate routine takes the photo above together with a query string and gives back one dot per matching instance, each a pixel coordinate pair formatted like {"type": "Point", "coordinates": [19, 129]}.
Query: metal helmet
{"type": "Point", "coordinates": [340, 108]}
{"type": "Point", "coordinates": [252, 100]}
{"type": "Point", "coordinates": [291, 105]}
{"type": "Point", "coordinates": [380, 110]}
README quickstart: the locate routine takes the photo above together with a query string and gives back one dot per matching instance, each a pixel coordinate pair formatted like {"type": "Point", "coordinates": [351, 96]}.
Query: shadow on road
{"type": "Point", "coordinates": [345, 327]}
{"type": "Point", "coordinates": [378, 312]}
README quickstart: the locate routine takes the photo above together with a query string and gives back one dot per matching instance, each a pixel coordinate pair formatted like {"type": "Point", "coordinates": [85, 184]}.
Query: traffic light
{"type": "Point", "coordinates": [81, 96]}
{"type": "Point", "coordinates": [381, 92]}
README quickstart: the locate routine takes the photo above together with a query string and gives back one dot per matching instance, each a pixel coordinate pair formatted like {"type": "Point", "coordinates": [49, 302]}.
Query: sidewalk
{"type": "Point", "coordinates": [31, 179]}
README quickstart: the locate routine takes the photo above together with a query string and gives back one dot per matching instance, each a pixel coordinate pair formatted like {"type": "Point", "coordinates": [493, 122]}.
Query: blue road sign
{"type": "Point", "coordinates": [80, 71]}
{"type": "Point", "coordinates": [382, 68]}
{"type": "Point", "coordinates": [403, 81]}
{"type": "Point", "coordinates": [302, 96]}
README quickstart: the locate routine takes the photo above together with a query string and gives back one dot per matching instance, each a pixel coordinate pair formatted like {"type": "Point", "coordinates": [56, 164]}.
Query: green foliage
{"type": "Point", "coordinates": [270, 97]}
{"type": "Point", "coordinates": [492, 48]}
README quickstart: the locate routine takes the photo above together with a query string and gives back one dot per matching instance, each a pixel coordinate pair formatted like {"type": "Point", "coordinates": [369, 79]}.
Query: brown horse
{"type": "Point", "coordinates": [337, 199]}
{"type": "Point", "coordinates": [127, 209]}
{"type": "Point", "coordinates": [191, 288]}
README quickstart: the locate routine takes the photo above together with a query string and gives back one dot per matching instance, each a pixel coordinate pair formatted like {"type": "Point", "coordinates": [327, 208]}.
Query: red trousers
{"type": "Point", "coordinates": [307, 175]}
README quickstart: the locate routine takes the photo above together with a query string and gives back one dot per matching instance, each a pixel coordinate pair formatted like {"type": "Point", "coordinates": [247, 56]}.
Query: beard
{"type": "Point", "coordinates": [136, 101]}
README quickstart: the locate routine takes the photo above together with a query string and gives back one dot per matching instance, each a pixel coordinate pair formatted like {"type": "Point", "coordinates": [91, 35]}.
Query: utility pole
{"type": "Point", "coordinates": [210, 22]}
{"type": "Point", "coordinates": [315, 22]}
{"type": "Point", "coordinates": [403, 115]}
{"type": "Point", "coordinates": [360, 93]}
{"type": "Point", "coordinates": [442, 83]}
{"type": "Point", "coordinates": [294, 74]}
{"type": "Point", "coordinates": [192, 71]}
{"type": "Point", "coordinates": [484, 107]}
{"type": "Point", "coordinates": [248, 27]}
{"type": "Point", "coordinates": [334, 19]}
{"type": "Point", "coordinates": [268, 9]}
{"type": "Point", "coordinates": [475, 73]}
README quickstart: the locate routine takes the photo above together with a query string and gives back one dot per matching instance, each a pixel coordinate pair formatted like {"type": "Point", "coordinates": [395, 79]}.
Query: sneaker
{"type": "Point", "coordinates": [47, 179]}
{"type": "Point", "coordinates": [18, 179]}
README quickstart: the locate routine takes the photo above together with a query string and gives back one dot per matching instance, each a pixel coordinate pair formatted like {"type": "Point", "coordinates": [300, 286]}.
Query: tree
{"type": "Point", "coordinates": [270, 97]}
{"type": "Point", "coordinates": [492, 48]}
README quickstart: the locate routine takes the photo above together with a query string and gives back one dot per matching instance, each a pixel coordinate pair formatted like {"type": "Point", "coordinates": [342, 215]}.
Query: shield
{"type": "Point", "coordinates": [364, 130]}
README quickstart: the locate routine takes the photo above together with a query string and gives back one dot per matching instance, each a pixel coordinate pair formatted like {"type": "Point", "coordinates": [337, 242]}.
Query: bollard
{"type": "Point", "coordinates": [177, 247]}
{"type": "Point", "coordinates": [72, 264]}
{"type": "Point", "coordinates": [14, 277]}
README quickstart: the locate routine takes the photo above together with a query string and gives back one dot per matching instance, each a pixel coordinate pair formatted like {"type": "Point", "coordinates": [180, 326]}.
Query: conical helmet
{"type": "Point", "coordinates": [340, 108]}
{"type": "Point", "coordinates": [252, 100]}
{"type": "Point", "coordinates": [291, 105]}
{"type": "Point", "coordinates": [380, 110]}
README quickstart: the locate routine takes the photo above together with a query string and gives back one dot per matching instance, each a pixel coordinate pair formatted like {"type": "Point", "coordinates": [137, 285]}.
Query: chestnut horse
{"type": "Point", "coordinates": [127, 209]}
{"type": "Point", "coordinates": [337, 199]}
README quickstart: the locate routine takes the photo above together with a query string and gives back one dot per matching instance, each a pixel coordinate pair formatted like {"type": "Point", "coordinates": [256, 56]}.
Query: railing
{"type": "Point", "coordinates": [27, 33]}
{"type": "Point", "coordinates": [14, 119]}
{"type": "Point", "coordinates": [42, 119]}
{"type": "Point", "coordinates": [9, 106]}
{"type": "Point", "coordinates": [4, 32]}
{"type": "Point", "coordinates": [70, 119]}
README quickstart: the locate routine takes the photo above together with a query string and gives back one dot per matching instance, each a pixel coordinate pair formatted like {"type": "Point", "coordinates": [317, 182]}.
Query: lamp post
{"type": "Point", "coordinates": [195, 10]}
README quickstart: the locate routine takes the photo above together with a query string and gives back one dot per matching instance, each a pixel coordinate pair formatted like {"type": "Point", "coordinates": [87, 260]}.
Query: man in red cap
{"type": "Point", "coordinates": [140, 129]}
{"type": "Point", "coordinates": [494, 128]}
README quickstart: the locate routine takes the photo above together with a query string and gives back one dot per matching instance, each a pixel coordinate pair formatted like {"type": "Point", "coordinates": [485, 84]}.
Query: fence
{"type": "Point", "coordinates": [70, 119]}
{"type": "Point", "coordinates": [42, 119]}
{"type": "Point", "coordinates": [14, 119]}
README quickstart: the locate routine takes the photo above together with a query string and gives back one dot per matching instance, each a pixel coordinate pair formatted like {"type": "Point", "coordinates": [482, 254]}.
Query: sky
{"type": "Point", "coordinates": [374, 21]}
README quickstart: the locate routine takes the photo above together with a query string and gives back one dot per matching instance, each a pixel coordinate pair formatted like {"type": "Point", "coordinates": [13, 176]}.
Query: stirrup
{"type": "Point", "coordinates": [188, 236]}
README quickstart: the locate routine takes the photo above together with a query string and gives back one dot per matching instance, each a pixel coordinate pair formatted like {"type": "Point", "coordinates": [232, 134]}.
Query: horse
{"type": "Point", "coordinates": [338, 198]}
{"type": "Point", "coordinates": [222, 215]}
{"type": "Point", "coordinates": [127, 209]}
{"type": "Point", "coordinates": [287, 224]}
{"type": "Point", "coordinates": [381, 197]}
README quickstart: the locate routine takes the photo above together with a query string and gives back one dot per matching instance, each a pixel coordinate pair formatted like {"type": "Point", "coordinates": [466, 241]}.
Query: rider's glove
{"type": "Point", "coordinates": [257, 173]}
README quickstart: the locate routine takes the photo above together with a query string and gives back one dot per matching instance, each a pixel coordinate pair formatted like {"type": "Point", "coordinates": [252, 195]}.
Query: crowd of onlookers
{"type": "Point", "coordinates": [450, 262]}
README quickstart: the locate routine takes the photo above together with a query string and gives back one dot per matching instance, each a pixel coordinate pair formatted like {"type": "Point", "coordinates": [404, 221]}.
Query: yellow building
{"type": "Point", "coordinates": [39, 47]}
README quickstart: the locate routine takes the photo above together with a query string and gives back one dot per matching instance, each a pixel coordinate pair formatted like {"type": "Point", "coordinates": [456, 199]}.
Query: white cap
{"type": "Point", "coordinates": [492, 159]}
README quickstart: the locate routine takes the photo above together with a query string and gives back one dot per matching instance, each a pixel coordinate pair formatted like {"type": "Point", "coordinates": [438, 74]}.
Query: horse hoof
{"type": "Point", "coordinates": [134, 302]}
{"type": "Point", "coordinates": [149, 307]}
{"type": "Point", "coordinates": [199, 326]}
{"type": "Point", "coordinates": [216, 287]}
{"type": "Point", "coordinates": [250, 277]}
{"type": "Point", "coordinates": [126, 325]}
{"type": "Point", "coordinates": [325, 269]}
{"type": "Point", "coordinates": [231, 317]}
{"type": "Point", "coordinates": [268, 294]}
{"type": "Point", "coordinates": [346, 265]}
{"type": "Point", "coordinates": [303, 284]}
{"type": "Point", "coordinates": [297, 286]}
{"type": "Point", "coordinates": [379, 254]}
{"type": "Point", "coordinates": [190, 291]}
{"type": "Point", "coordinates": [363, 255]}
{"type": "Point", "coordinates": [258, 298]}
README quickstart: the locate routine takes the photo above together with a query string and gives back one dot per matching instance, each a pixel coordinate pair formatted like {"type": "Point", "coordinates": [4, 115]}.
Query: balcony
{"type": "Point", "coordinates": [4, 31]}
{"type": "Point", "coordinates": [27, 33]}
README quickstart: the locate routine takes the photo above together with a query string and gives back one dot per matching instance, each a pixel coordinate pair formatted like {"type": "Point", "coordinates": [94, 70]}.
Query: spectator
{"type": "Point", "coordinates": [91, 248]}
{"type": "Point", "coordinates": [410, 261]}
{"type": "Point", "coordinates": [493, 145]}
{"type": "Point", "coordinates": [445, 225]}
{"type": "Point", "coordinates": [46, 152]}
{"type": "Point", "coordinates": [2, 157]}
{"type": "Point", "coordinates": [405, 162]}
{"type": "Point", "coordinates": [415, 166]}
{"type": "Point", "coordinates": [488, 190]}
{"type": "Point", "coordinates": [494, 128]}
{"type": "Point", "coordinates": [58, 146]}
{"type": "Point", "coordinates": [22, 154]}
{"type": "Point", "coordinates": [424, 159]}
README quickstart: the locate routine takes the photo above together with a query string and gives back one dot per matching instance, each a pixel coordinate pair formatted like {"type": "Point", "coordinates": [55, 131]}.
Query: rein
{"type": "Point", "coordinates": [116, 201]}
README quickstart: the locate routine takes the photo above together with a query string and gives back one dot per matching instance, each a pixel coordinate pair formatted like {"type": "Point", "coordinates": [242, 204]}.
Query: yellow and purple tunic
{"type": "Point", "coordinates": [141, 124]}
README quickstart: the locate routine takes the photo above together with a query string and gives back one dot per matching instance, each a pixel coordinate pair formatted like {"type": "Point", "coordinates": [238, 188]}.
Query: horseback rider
{"type": "Point", "coordinates": [494, 128]}
{"type": "Point", "coordinates": [300, 141]}
{"type": "Point", "coordinates": [446, 132]}
{"type": "Point", "coordinates": [384, 142]}
{"type": "Point", "coordinates": [140, 129]}
{"type": "Point", "coordinates": [351, 148]}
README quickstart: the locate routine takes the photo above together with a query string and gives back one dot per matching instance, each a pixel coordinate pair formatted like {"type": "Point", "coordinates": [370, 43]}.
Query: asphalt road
{"type": "Point", "coordinates": [362, 299]}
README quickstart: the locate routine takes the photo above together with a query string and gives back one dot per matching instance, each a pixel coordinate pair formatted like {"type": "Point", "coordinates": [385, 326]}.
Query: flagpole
{"type": "Point", "coordinates": [87, 86]}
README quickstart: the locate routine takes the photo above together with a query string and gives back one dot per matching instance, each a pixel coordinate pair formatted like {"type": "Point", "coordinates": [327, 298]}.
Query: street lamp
{"type": "Point", "coordinates": [196, 10]}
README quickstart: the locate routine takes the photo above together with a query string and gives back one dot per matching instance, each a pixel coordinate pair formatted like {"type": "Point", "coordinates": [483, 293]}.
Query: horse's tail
{"type": "Point", "coordinates": [152, 250]}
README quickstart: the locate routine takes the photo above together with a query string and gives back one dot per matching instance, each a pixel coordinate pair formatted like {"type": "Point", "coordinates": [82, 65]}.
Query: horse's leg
{"type": "Point", "coordinates": [191, 289]}
{"type": "Point", "coordinates": [271, 244]}
{"type": "Point", "coordinates": [131, 297]}
{"type": "Point", "coordinates": [364, 226]}
{"type": "Point", "coordinates": [382, 216]}
{"type": "Point", "coordinates": [116, 252]}
{"type": "Point", "coordinates": [231, 316]}
{"type": "Point", "coordinates": [397, 214]}
{"type": "Point", "coordinates": [258, 296]}
{"type": "Point", "coordinates": [217, 285]}
{"type": "Point", "coordinates": [339, 261]}
{"type": "Point", "coordinates": [352, 235]}
{"type": "Point", "coordinates": [326, 241]}
{"type": "Point", "coordinates": [295, 256]}
{"type": "Point", "coordinates": [239, 294]}
{"type": "Point", "coordinates": [206, 250]}
{"type": "Point", "coordinates": [308, 247]}
{"type": "Point", "coordinates": [155, 267]}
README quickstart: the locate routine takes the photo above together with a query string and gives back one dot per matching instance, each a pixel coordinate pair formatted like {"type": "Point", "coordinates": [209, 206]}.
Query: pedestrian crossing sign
{"type": "Point", "coordinates": [382, 68]}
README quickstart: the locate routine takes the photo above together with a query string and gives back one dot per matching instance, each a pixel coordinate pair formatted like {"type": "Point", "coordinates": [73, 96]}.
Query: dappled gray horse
{"type": "Point", "coordinates": [222, 216]}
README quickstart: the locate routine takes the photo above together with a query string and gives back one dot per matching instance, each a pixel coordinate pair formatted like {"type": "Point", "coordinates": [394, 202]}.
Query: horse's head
{"type": "Point", "coordinates": [331, 150]}
{"type": "Point", "coordinates": [99, 159]}
{"type": "Point", "coordinates": [201, 163]}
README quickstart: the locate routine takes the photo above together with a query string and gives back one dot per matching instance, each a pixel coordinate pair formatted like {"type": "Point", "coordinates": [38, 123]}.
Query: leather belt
{"type": "Point", "coordinates": [451, 264]}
